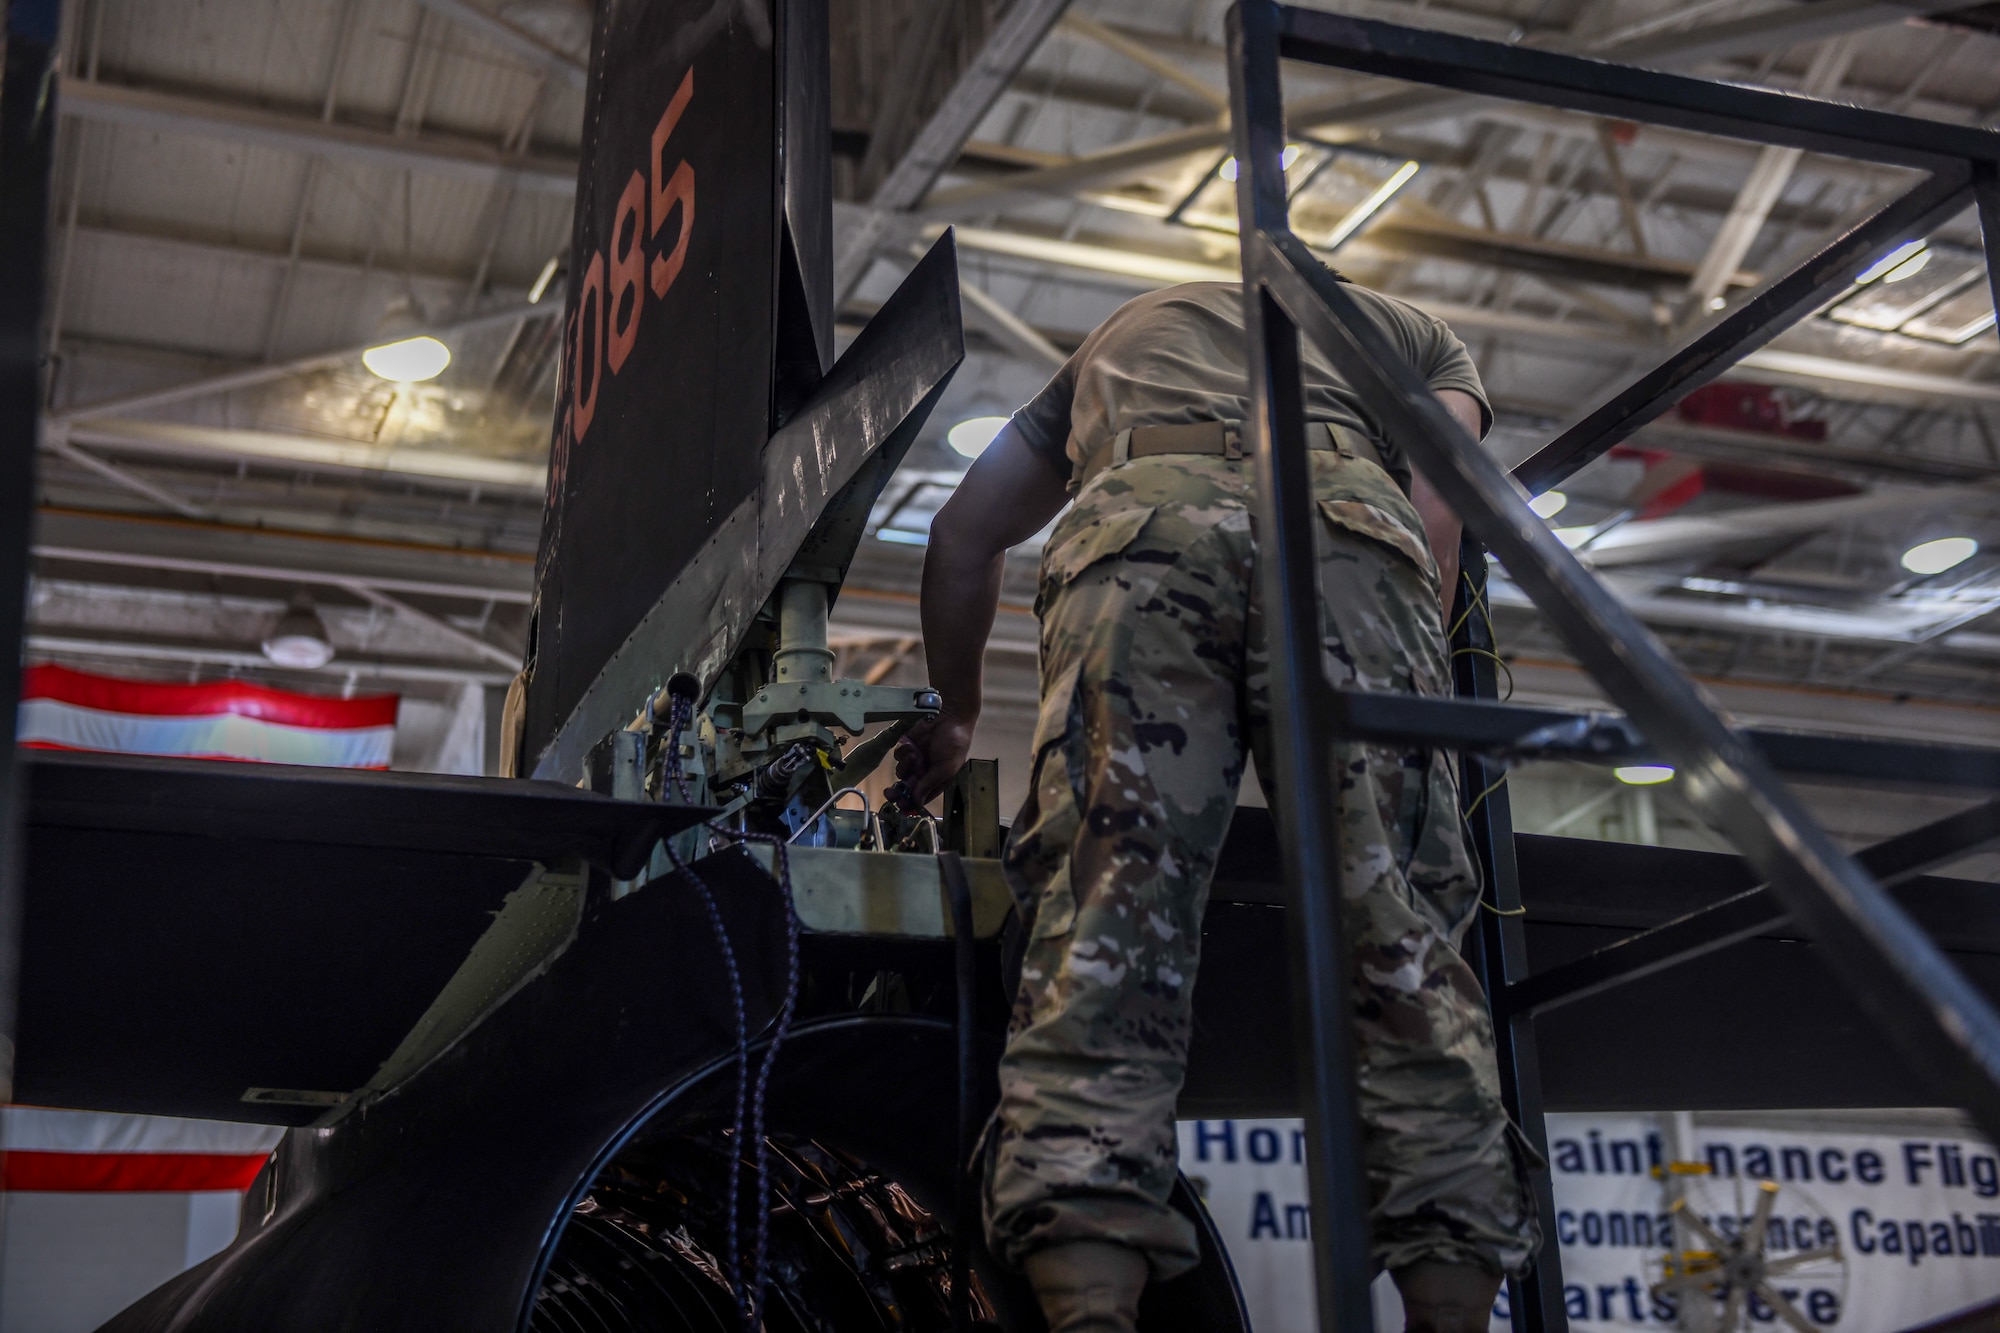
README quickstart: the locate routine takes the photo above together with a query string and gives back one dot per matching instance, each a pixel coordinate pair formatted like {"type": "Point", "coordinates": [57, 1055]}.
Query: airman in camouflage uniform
{"type": "Point", "coordinates": [1154, 690]}
{"type": "Point", "coordinates": [1154, 681]}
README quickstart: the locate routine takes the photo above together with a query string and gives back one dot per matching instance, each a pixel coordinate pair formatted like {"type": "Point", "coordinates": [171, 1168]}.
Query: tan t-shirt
{"type": "Point", "coordinates": [1176, 356]}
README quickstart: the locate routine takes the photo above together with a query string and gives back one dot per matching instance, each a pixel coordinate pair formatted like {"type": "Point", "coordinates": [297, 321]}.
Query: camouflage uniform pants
{"type": "Point", "coordinates": [1154, 679]}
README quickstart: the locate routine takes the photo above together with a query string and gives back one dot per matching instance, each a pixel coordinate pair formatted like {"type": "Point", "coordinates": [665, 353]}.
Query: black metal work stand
{"type": "Point", "coordinates": [1336, 1179]}
{"type": "Point", "coordinates": [1501, 952]}
{"type": "Point", "coordinates": [1946, 1031]}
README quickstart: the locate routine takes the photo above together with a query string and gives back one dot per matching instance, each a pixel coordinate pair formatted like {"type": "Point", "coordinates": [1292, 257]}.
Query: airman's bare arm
{"type": "Point", "coordinates": [1441, 525]}
{"type": "Point", "coordinates": [1009, 494]}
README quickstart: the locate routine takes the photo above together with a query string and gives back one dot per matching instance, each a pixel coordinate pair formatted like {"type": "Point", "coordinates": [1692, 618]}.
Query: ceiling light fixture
{"type": "Point", "coordinates": [408, 361]}
{"type": "Point", "coordinates": [1227, 170]}
{"type": "Point", "coordinates": [1548, 504]}
{"type": "Point", "coordinates": [1909, 268]}
{"type": "Point", "coordinates": [1894, 259]}
{"type": "Point", "coordinates": [299, 639]}
{"type": "Point", "coordinates": [971, 436]}
{"type": "Point", "coordinates": [903, 537]}
{"type": "Point", "coordinates": [1935, 557]}
{"type": "Point", "coordinates": [1643, 775]}
{"type": "Point", "coordinates": [405, 354]}
{"type": "Point", "coordinates": [1368, 207]}
{"type": "Point", "coordinates": [543, 279]}
{"type": "Point", "coordinates": [1575, 537]}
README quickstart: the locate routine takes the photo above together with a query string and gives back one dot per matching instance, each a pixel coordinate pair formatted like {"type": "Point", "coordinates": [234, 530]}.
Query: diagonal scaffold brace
{"type": "Point", "coordinates": [1948, 1032]}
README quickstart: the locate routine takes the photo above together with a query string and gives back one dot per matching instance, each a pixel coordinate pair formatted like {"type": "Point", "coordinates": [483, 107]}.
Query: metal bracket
{"type": "Point", "coordinates": [848, 704]}
{"type": "Point", "coordinates": [972, 810]}
{"type": "Point", "coordinates": [841, 892]}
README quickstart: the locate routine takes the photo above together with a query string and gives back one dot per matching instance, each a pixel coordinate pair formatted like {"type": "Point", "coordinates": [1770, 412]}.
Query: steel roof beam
{"type": "Point", "coordinates": [1571, 83]}
{"type": "Point", "coordinates": [1723, 445]}
{"type": "Point", "coordinates": [1766, 618]}
{"type": "Point", "coordinates": [1769, 176]}
{"type": "Point", "coordinates": [285, 559]}
{"type": "Point", "coordinates": [387, 627]}
{"type": "Point", "coordinates": [936, 145]}
{"type": "Point", "coordinates": [1012, 41]}
{"type": "Point", "coordinates": [1403, 239]}
{"type": "Point", "coordinates": [1703, 535]}
{"type": "Point", "coordinates": [242, 122]}
{"type": "Point", "coordinates": [1135, 49]}
{"type": "Point", "coordinates": [147, 399]}
{"type": "Point", "coordinates": [1686, 194]}
{"type": "Point", "coordinates": [492, 652]}
{"type": "Point", "coordinates": [449, 467]}
{"type": "Point", "coordinates": [71, 646]}
{"type": "Point", "coordinates": [1728, 342]}
{"type": "Point", "coordinates": [1331, 116]}
{"type": "Point", "coordinates": [125, 479]}
{"type": "Point", "coordinates": [204, 245]}
{"type": "Point", "coordinates": [1147, 271]}
{"type": "Point", "coordinates": [1757, 34]}
{"type": "Point", "coordinates": [516, 41]}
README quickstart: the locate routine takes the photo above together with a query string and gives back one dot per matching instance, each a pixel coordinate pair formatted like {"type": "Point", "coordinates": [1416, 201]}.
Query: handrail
{"type": "Point", "coordinates": [1947, 1030]}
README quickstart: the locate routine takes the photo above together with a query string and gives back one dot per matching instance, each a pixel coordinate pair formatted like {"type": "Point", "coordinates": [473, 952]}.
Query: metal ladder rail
{"type": "Point", "coordinates": [1304, 795]}
{"type": "Point", "coordinates": [1904, 981]}
{"type": "Point", "coordinates": [1500, 954]}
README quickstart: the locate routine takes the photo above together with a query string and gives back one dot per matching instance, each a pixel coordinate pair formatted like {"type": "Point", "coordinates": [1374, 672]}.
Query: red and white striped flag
{"type": "Point", "coordinates": [105, 1207]}
{"type": "Point", "coordinates": [90, 1152]}
{"type": "Point", "coordinates": [63, 709]}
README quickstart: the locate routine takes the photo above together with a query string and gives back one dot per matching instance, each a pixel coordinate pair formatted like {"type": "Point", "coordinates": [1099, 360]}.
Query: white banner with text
{"type": "Point", "coordinates": [1864, 1232]}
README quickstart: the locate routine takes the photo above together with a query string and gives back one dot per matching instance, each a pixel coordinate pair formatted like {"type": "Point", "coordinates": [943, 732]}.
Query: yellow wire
{"type": "Point", "coordinates": [1512, 911]}
{"type": "Point", "coordinates": [1483, 795]}
{"type": "Point", "coordinates": [1498, 661]}
{"type": "Point", "coordinates": [1493, 635]}
{"type": "Point", "coordinates": [1473, 597]}
{"type": "Point", "coordinates": [1476, 599]}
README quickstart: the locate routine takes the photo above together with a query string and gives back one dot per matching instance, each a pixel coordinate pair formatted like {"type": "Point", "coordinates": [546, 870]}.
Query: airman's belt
{"type": "Point", "coordinates": [1222, 439]}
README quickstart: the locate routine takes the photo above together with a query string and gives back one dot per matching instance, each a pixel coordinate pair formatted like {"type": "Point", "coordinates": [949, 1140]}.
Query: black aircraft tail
{"type": "Point", "coordinates": [700, 420]}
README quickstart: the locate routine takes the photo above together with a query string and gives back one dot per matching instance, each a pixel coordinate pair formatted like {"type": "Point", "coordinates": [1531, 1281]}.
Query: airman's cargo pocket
{"type": "Point", "coordinates": [1091, 543]}
{"type": "Point", "coordinates": [1444, 880]}
{"type": "Point", "coordinates": [1052, 723]}
{"type": "Point", "coordinates": [1056, 816]}
{"type": "Point", "coordinates": [1055, 914]}
{"type": "Point", "coordinates": [1379, 526]}
{"type": "Point", "coordinates": [1083, 542]}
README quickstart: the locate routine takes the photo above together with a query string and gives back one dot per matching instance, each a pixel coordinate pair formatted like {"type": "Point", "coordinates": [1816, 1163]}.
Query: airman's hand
{"type": "Point", "coordinates": [931, 753]}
